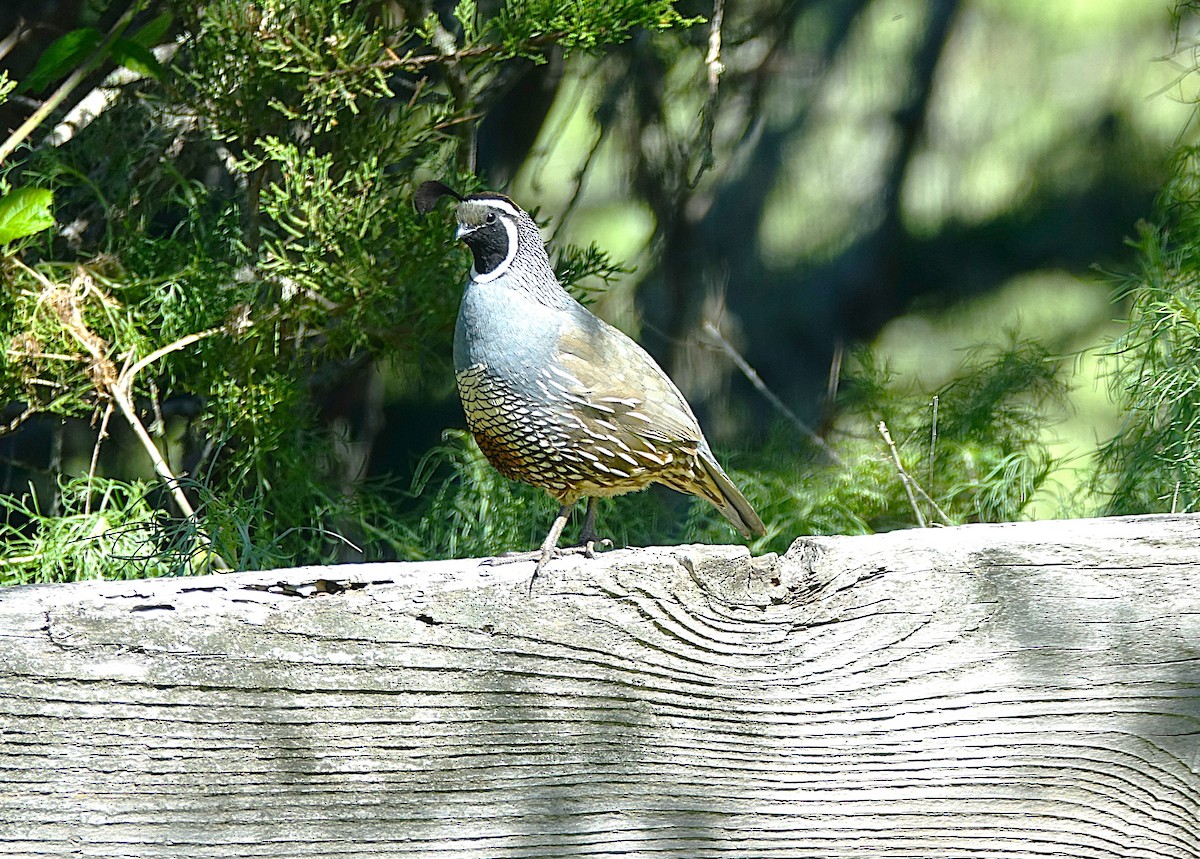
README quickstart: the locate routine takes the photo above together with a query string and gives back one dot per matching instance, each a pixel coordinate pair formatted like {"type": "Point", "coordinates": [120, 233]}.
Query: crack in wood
{"type": "Point", "coordinates": [315, 587]}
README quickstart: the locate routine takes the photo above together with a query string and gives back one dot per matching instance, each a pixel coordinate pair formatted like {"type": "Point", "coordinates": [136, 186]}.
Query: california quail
{"type": "Point", "coordinates": [557, 398]}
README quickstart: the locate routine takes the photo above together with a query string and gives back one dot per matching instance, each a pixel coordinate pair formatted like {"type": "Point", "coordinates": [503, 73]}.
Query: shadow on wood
{"type": "Point", "coordinates": [1004, 690]}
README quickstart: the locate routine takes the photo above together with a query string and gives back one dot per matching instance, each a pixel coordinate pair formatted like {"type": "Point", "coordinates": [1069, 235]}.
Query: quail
{"type": "Point", "coordinates": [557, 398]}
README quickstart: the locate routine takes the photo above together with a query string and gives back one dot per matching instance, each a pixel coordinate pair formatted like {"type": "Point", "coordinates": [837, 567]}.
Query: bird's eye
{"type": "Point", "coordinates": [491, 217]}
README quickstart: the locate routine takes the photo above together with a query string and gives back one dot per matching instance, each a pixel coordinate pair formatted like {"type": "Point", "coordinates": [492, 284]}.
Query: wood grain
{"type": "Point", "coordinates": [1026, 690]}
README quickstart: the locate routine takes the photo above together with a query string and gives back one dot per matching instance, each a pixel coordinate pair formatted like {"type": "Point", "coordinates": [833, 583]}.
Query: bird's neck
{"type": "Point", "coordinates": [535, 281]}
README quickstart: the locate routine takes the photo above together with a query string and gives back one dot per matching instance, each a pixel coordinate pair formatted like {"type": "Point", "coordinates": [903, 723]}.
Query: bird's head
{"type": "Point", "coordinates": [502, 237]}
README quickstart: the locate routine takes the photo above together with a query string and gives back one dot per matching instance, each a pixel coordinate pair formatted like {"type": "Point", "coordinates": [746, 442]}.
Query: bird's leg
{"type": "Point", "coordinates": [549, 548]}
{"type": "Point", "coordinates": [550, 544]}
{"type": "Point", "coordinates": [588, 538]}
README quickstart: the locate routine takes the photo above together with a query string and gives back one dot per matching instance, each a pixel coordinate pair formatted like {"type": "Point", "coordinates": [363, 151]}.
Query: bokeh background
{"type": "Point", "coordinates": [926, 177]}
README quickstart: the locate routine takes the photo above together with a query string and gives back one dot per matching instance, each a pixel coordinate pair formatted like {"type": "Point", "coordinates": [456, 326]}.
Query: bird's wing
{"type": "Point", "coordinates": [612, 379]}
{"type": "Point", "coordinates": [634, 412]}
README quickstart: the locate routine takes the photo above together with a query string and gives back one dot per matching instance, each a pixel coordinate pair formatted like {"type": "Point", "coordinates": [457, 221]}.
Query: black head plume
{"type": "Point", "coordinates": [429, 193]}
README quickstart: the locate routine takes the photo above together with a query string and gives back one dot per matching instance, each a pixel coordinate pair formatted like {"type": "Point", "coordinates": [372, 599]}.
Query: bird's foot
{"type": "Point", "coordinates": [586, 547]}
{"type": "Point", "coordinates": [588, 538]}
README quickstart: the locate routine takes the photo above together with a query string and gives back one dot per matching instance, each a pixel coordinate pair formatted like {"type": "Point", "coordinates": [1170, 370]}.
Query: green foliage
{"type": "Point", "coordinates": [105, 528]}
{"type": "Point", "coordinates": [257, 296]}
{"type": "Point", "coordinates": [24, 212]}
{"type": "Point", "coordinates": [261, 294]}
{"type": "Point", "coordinates": [970, 451]}
{"type": "Point", "coordinates": [1153, 464]}
{"type": "Point", "coordinates": [119, 533]}
{"type": "Point", "coordinates": [254, 68]}
{"type": "Point", "coordinates": [79, 48]}
{"type": "Point", "coordinates": [578, 269]}
{"type": "Point", "coordinates": [985, 455]}
{"type": "Point", "coordinates": [64, 53]}
{"type": "Point", "coordinates": [576, 25]}
{"type": "Point", "coordinates": [466, 505]}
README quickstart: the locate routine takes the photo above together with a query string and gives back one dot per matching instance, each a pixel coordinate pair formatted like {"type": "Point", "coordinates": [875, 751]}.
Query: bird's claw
{"type": "Point", "coordinates": [586, 547]}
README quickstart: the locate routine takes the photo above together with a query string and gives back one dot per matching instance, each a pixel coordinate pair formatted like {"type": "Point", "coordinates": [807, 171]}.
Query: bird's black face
{"type": "Point", "coordinates": [488, 227]}
{"type": "Point", "coordinates": [488, 244]}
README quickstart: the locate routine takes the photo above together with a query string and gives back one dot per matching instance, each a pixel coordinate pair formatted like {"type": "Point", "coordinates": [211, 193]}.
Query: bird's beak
{"type": "Point", "coordinates": [463, 231]}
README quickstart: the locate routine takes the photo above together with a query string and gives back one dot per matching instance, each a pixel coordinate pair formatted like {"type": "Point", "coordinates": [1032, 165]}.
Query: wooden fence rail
{"type": "Point", "coordinates": [1026, 690]}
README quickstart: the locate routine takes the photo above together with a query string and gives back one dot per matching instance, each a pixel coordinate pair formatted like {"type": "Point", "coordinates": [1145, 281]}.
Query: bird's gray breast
{"type": "Point", "coordinates": [510, 337]}
{"type": "Point", "coordinates": [513, 389]}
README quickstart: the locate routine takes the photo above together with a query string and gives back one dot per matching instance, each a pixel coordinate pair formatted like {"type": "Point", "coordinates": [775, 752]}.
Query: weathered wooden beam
{"type": "Point", "coordinates": [1026, 690]}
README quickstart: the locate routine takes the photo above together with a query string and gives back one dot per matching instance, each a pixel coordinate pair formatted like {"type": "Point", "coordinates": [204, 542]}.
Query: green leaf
{"type": "Point", "coordinates": [137, 57]}
{"type": "Point", "coordinates": [63, 55]}
{"type": "Point", "coordinates": [152, 33]}
{"type": "Point", "coordinates": [23, 212]}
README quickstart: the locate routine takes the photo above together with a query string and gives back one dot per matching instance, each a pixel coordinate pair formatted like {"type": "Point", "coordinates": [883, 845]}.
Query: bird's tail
{"type": "Point", "coordinates": [711, 483]}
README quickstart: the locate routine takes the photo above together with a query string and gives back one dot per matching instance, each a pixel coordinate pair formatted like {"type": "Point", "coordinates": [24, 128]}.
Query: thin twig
{"type": "Point", "coordinates": [557, 134]}
{"type": "Point", "coordinates": [933, 435]}
{"type": "Point", "coordinates": [458, 120]}
{"type": "Point", "coordinates": [100, 437]}
{"type": "Point", "coordinates": [16, 422]}
{"type": "Point", "coordinates": [129, 412]}
{"type": "Point", "coordinates": [57, 437]}
{"type": "Point", "coordinates": [14, 38]}
{"type": "Point", "coordinates": [712, 331]}
{"type": "Point", "coordinates": [713, 60]}
{"type": "Point", "coordinates": [126, 377]}
{"type": "Point", "coordinates": [451, 55]}
{"type": "Point", "coordinates": [904, 478]}
{"type": "Point", "coordinates": [835, 373]}
{"type": "Point", "coordinates": [581, 177]}
{"type": "Point", "coordinates": [125, 404]}
{"type": "Point", "coordinates": [936, 507]}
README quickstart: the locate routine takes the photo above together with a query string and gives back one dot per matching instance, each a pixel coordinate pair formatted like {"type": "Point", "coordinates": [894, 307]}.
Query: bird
{"type": "Point", "coordinates": [556, 397]}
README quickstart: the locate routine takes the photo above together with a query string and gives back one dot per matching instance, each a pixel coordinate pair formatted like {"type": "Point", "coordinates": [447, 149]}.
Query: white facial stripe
{"type": "Point", "coordinates": [501, 205]}
{"type": "Point", "coordinates": [511, 229]}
